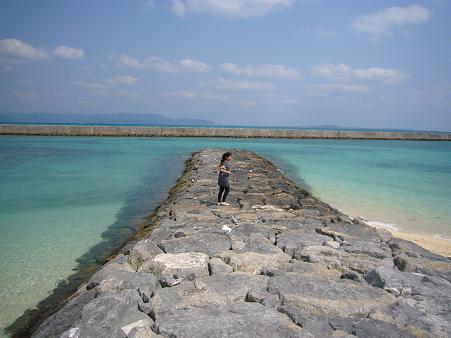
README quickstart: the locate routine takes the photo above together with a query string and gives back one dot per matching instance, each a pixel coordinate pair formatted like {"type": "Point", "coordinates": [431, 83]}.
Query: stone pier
{"type": "Point", "coordinates": [277, 262]}
{"type": "Point", "coordinates": [76, 130]}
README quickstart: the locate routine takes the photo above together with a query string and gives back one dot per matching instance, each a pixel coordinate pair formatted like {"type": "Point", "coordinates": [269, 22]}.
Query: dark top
{"type": "Point", "coordinates": [223, 179]}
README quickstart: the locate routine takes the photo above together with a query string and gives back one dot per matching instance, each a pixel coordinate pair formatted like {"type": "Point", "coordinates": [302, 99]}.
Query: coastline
{"type": "Point", "coordinates": [278, 246]}
{"type": "Point", "coordinates": [433, 243]}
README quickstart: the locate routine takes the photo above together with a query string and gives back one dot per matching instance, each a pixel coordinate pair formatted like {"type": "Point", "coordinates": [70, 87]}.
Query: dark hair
{"type": "Point", "coordinates": [224, 157]}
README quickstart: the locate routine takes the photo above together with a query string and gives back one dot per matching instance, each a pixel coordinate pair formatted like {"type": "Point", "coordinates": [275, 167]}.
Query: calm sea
{"type": "Point", "coordinates": [66, 202]}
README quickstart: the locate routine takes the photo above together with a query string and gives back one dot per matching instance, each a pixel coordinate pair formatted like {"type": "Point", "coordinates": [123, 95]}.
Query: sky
{"type": "Point", "coordinates": [366, 63]}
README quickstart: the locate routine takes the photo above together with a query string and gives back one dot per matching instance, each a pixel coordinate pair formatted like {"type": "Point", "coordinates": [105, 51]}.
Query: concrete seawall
{"type": "Point", "coordinates": [71, 130]}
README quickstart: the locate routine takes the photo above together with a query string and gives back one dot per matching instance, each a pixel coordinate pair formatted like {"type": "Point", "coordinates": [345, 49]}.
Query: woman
{"type": "Point", "coordinates": [223, 179]}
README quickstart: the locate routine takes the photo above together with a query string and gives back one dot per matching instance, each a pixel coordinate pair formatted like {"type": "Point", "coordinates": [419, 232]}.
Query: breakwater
{"type": "Point", "coordinates": [275, 263]}
{"type": "Point", "coordinates": [73, 130]}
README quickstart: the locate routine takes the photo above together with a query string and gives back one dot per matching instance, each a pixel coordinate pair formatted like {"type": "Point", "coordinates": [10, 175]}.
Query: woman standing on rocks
{"type": "Point", "coordinates": [223, 179]}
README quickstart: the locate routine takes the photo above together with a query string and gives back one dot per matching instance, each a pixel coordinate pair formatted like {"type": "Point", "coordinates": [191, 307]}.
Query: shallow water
{"type": "Point", "coordinates": [62, 196]}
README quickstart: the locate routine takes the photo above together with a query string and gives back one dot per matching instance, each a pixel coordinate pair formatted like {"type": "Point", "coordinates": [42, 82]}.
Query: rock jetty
{"type": "Point", "coordinates": [275, 263]}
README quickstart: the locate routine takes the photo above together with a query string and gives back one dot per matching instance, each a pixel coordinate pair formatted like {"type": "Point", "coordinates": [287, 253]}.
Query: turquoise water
{"type": "Point", "coordinates": [66, 202]}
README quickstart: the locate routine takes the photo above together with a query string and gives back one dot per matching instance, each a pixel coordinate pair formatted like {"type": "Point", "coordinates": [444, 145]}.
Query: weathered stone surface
{"type": "Point", "coordinates": [425, 266]}
{"type": "Point", "coordinates": [110, 315]}
{"type": "Point", "coordinates": [180, 265]}
{"type": "Point", "coordinates": [328, 297]}
{"type": "Point", "coordinates": [366, 327]}
{"type": "Point", "coordinates": [216, 266]}
{"type": "Point", "coordinates": [111, 280]}
{"type": "Point", "coordinates": [142, 332]}
{"type": "Point", "coordinates": [406, 317]}
{"type": "Point", "coordinates": [402, 247]}
{"type": "Point", "coordinates": [142, 253]}
{"type": "Point", "coordinates": [209, 243]}
{"type": "Point", "coordinates": [234, 320]}
{"type": "Point", "coordinates": [215, 289]}
{"type": "Point", "coordinates": [293, 243]}
{"type": "Point", "coordinates": [429, 294]}
{"type": "Point", "coordinates": [369, 248]}
{"type": "Point", "coordinates": [317, 325]}
{"type": "Point", "coordinates": [342, 260]}
{"type": "Point", "coordinates": [63, 320]}
{"type": "Point", "coordinates": [253, 262]}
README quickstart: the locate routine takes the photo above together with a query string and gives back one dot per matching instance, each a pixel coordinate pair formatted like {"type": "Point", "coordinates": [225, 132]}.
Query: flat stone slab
{"type": "Point", "coordinates": [328, 297]}
{"type": "Point", "coordinates": [180, 264]}
{"type": "Point", "coordinates": [235, 320]}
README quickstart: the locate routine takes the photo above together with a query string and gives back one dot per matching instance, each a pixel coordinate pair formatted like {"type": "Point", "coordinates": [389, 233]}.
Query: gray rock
{"type": "Point", "coordinates": [111, 280]}
{"type": "Point", "coordinates": [370, 248]}
{"type": "Point", "coordinates": [429, 294]}
{"type": "Point", "coordinates": [318, 325]}
{"type": "Point", "coordinates": [112, 315]}
{"type": "Point", "coordinates": [253, 262]}
{"type": "Point", "coordinates": [402, 247]}
{"type": "Point", "coordinates": [367, 327]}
{"type": "Point", "coordinates": [328, 297]}
{"type": "Point", "coordinates": [431, 267]}
{"type": "Point", "coordinates": [352, 276]}
{"type": "Point", "coordinates": [217, 266]}
{"type": "Point", "coordinates": [142, 253]}
{"type": "Point", "coordinates": [216, 289]}
{"type": "Point", "coordinates": [292, 243]}
{"type": "Point", "coordinates": [332, 244]}
{"type": "Point", "coordinates": [64, 319]}
{"type": "Point", "coordinates": [142, 332]}
{"type": "Point", "coordinates": [208, 243]}
{"type": "Point", "coordinates": [234, 320]}
{"type": "Point", "coordinates": [408, 318]}
{"type": "Point", "coordinates": [342, 260]}
{"type": "Point", "coordinates": [180, 265]}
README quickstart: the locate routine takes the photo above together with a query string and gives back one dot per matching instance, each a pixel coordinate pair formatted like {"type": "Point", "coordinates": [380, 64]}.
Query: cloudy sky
{"type": "Point", "coordinates": [377, 64]}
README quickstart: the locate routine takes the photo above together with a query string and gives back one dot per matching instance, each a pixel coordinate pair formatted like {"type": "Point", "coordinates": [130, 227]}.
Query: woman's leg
{"type": "Point", "coordinates": [221, 190]}
{"type": "Point", "coordinates": [226, 192]}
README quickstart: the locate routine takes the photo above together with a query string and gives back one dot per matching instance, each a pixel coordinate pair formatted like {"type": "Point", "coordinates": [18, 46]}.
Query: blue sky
{"type": "Point", "coordinates": [377, 64]}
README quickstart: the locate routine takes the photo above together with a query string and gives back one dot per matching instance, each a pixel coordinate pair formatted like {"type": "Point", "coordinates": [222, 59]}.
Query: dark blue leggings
{"type": "Point", "coordinates": [224, 190]}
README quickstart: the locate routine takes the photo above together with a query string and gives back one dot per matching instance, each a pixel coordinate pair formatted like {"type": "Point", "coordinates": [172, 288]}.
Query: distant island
{"type": "Point", "coordinates": [120, 118]}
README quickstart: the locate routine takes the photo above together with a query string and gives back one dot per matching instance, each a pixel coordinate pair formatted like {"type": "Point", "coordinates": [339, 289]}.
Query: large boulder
{"type": "Point", "coordinates": [180, 265]}
{"type": "Point", "coordinates": [251, 320]}
{"type": "Point", "coordinates": [329, 297]}
{"type": "Point", "coordinates": [208, 243]}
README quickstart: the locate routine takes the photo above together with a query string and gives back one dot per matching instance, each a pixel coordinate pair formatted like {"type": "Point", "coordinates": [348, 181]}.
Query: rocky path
{"type": "Point", "coordinates": [275, 263]}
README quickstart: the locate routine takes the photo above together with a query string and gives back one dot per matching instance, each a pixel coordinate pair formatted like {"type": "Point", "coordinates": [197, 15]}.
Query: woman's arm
{"type": "Point", "coordinates": [224, 170]}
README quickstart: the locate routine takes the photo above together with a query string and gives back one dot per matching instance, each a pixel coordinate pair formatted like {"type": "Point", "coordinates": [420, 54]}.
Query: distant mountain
{"type": "Point", "coordinates": [122, 118]}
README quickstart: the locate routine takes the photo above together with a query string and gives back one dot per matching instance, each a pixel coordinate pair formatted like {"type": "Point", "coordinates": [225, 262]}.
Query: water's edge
{"type": "Point", "coordinates": [30, 320]}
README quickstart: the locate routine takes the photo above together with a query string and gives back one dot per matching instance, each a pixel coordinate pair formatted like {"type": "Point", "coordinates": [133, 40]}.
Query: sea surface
{"type": "Point", "coordinates": [68, 202]}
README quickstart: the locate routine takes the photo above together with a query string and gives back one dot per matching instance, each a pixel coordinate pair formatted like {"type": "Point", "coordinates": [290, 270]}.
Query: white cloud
{"type": "Point", "coordinates": [112, 86]}
{"type": "Point", "coordinates": [245, 86]}
{"type": "Point", "coordinates": [188, 94]}
{"type": "Point", "coordinates": [229, 8]}
{"type": "Point", "coordinates": [18, 49]}
{"type": "Point", "coordinates": [270, 71]}
{"type": "Point", "coordinates": [14, 52]}
{"type": "Point", "coordinates": [381, 23]}
{"type": "Point", "coordinates": [156, 63]}
{"type": "Point", "coordinates": [343, 72]}
{"type": "Point", "coordinates": [68, 52]}
{"type": "Point", "coordinates": [337, 88]}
